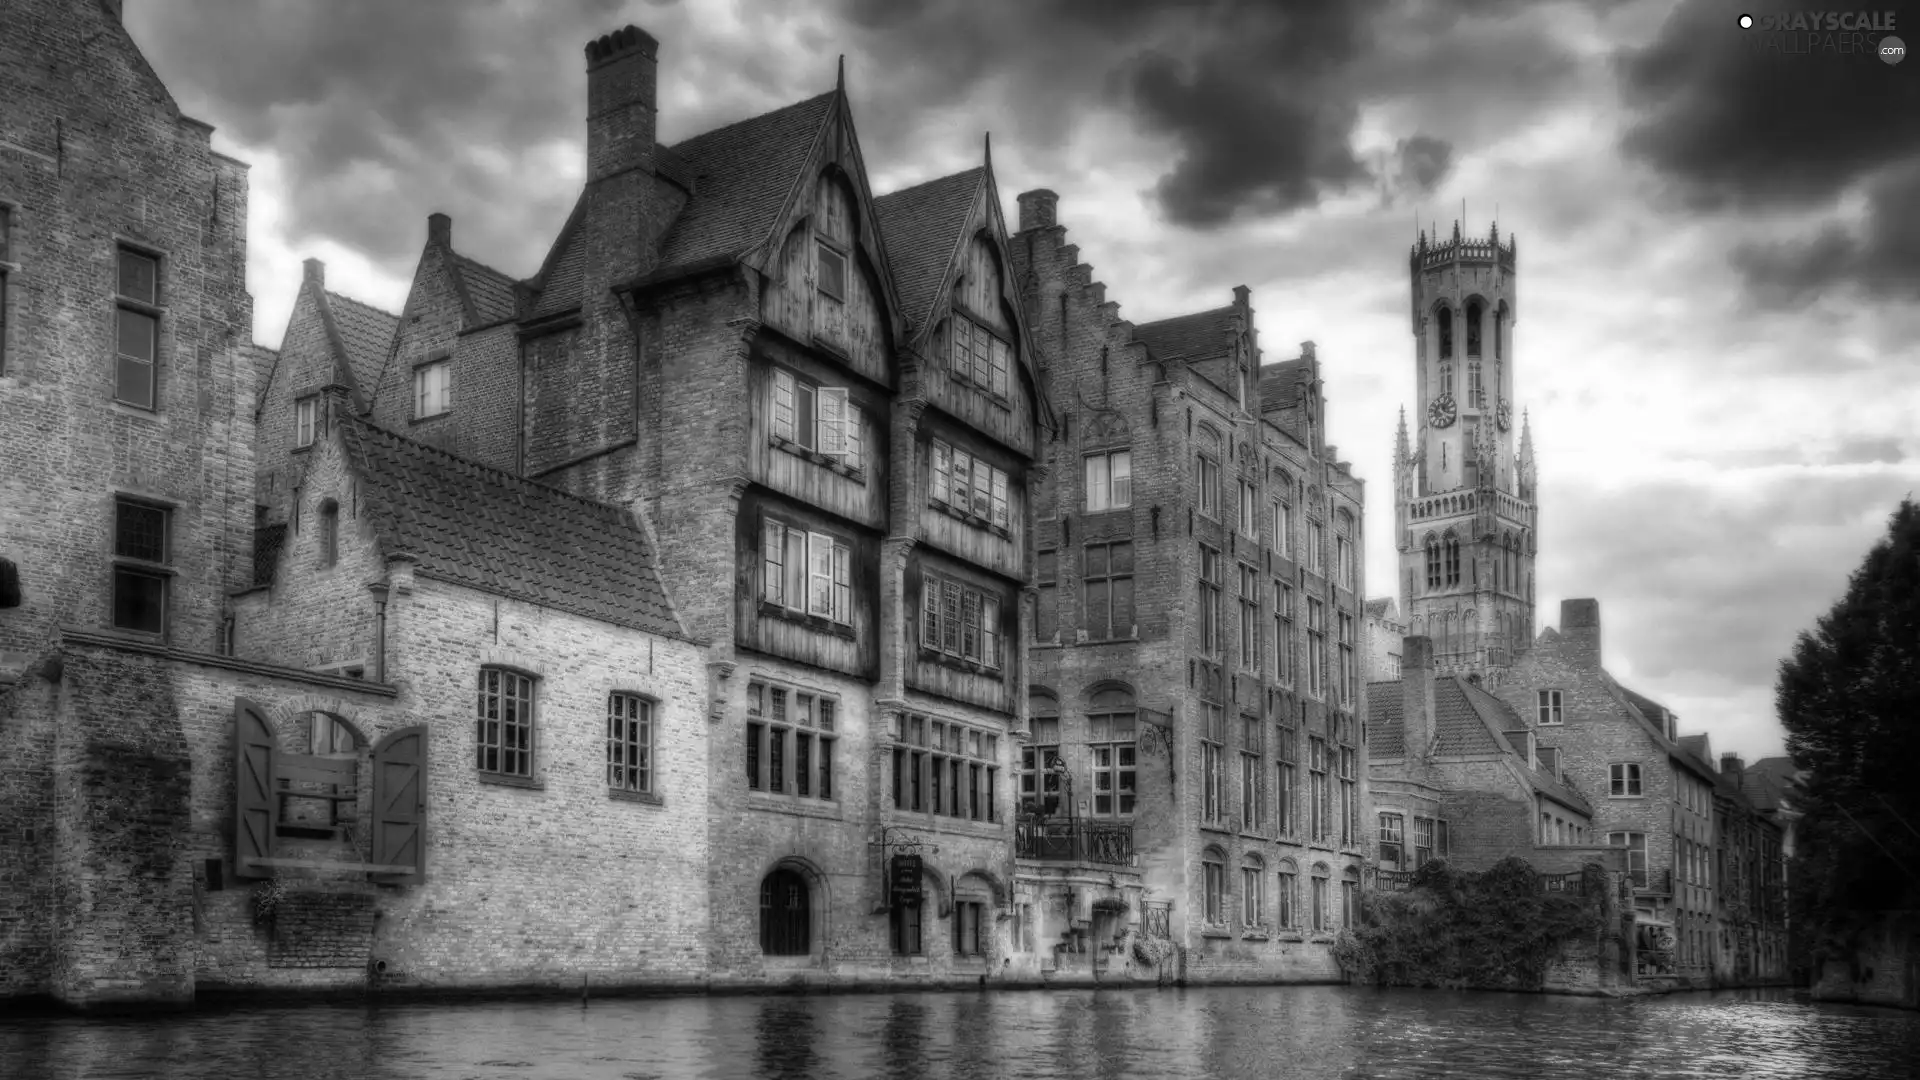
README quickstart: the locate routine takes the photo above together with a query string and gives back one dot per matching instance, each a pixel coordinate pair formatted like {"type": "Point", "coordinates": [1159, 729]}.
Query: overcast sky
{"type": "Point", "coordinates": [1720, 247]}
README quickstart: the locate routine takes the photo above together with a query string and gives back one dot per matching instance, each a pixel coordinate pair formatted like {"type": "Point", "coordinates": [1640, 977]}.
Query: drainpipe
{"type": "Point", "coordinates": [379, 590]}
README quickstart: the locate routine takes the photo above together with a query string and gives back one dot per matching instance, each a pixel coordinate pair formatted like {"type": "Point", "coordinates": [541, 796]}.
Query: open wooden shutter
{"type": "Point", "coordinates": [833, 421]}
{"type": "Point", "coordinates": [400, 805]}
{"type": "Point", "coordinates": [255, 806]}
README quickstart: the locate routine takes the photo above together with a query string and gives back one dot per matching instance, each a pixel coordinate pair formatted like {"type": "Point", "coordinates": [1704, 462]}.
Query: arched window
{"type": "Point", "coordinates": [1286, 897]}
{"type": "Point", "coordinates": [786, 921]}
{"type": "Point", "coordinates": [1446, 383]}
{"type": "Point", "coordinates": [1213, 880]}
{"type": "Point", "coordinates": [1446, 335]}
{"type": "Point", "coordinates": [1453, 559]}
{"type": "Point", "coordinates": [1253, 891]}
{"type": "Point", "coordinates": [1433, 562]}
{"type": "Point", "coordinates": [1476, 393]}
{"type": "Point", "coordinates": [1474, 309]}
{"type": "Point", "coordinates": [329, 532]}
{"type": "Point", "coordinates": [1110, 748]}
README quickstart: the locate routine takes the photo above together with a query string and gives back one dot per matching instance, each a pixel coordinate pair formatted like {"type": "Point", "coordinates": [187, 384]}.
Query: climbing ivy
{"type": "Point", "coordinates": [1493, 930]}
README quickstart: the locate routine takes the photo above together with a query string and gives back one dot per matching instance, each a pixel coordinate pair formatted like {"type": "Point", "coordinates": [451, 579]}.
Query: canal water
{"type": "Point", "coordinates": [1265, 1032]}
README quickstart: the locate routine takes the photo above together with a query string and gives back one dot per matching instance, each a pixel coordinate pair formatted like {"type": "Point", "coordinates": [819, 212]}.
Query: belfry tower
{"type": "Point", "coordinates": [1465, 519]}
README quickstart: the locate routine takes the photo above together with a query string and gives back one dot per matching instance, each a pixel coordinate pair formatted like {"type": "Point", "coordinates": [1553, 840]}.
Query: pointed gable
{"type": "Point", "coordinates": [924, 227]}
{"type": "Point", "coordinates": [362, 336]}
{"type": "Point", "coordinates": [490, 530]}
{"type": "Point", "coordinates": [744, 178]}
{"type": "Point", "coordinates": [490, 296]}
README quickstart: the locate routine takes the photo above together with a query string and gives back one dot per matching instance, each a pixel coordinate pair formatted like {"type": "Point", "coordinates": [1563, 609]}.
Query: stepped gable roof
{"type": "Point", "coordinates": [922, 228]}
{"type": "Point", "coordinates": [1283, 384]}
{"type": "Point", "coordinates": [490, 530]}
{"type": "Point", "coordinates": [743, 175]}
{"type": "Point", "coordinates": [1186, 339]}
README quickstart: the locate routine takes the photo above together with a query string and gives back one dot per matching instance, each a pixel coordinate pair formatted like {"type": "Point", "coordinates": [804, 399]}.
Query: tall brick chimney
{"type": "Point", "coordinates": [1580, 630]}
{"type": "Point", "coordinates": [439, 230]}
{"type": "Point", "coordinates": [622, 95]}
{"type": "Point", "coordinates": [1732, 765]}
{"type": "Point", "coordinates": [1416, 690]}
{"type": "Point", "coordinates": [1039, 209]}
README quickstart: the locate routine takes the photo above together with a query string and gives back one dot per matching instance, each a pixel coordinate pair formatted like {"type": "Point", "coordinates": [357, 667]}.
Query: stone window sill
{"type": "Point", "coordinates": [820, 623]}
{"type": "Point", "coordinates": [1254, 935]}
{"type": "Point", "coordinates": [1216, 934]}
{"type": "Point", "coordinates": [647, 798]}
{"type": "Point", "coordinates": [960, 663]}
{"type": "Point", "coordinates": [528, 783]}
{"type": "Point", "coordinates": [1290, 935]}
{"type": "Point", "coordinates": [826, 461]}
{"type": "Point", "coordinates": [430, 419]}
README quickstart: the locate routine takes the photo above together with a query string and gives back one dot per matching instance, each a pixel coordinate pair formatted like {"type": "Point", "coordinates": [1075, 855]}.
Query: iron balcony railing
{"type": "Point", "coordinates": [1156, 917]}
{"type": "Point", "coordinates": [1074, 840]}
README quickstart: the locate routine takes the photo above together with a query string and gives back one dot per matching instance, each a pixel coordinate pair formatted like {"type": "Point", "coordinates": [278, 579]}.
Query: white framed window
{"type": "Point", "coordinates": [980, 356]}
{"type": "Point", "coordinates": [807, 572]}
{"type": "Point", "coordinates": [432, 389]}
{"type": "Point", "coordinates": [960, 621]}
{"type": "Point", "coordinates": [1550, 708]}
{"type": "Point", "coordinates": [962, 482]}
{"type": "Point", "coordinates": [1623, 778]}
{"type": "Point", "coordinates": [1109, 480]}
{"type": "Point", "coordinates": [306, 413]}
{"type": "Point", "coordinates": [1110, 744]}
{"type": "Point", "coordinates": [630, 765]}
{"type": "Point", "coordinates": [1213, 872]}
{"type": "Point", "coordinates": [1392, 840]}
{"type": "Point", "coordinates": [504, 726]}
{"type": "Point", "coordinates": [821, 419]}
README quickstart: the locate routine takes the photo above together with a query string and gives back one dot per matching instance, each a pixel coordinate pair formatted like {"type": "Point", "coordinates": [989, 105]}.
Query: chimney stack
{"type": "Point", "coordinates": [1731, 765]}
{"type": "Point", "coordinates": [1242, 297]}
{"type": "Point", "coordinates": [439, 230]}
{"type": "Point", "coordinates": [1416, 689]}
{"type": "Point", "coordinates": [316, 272]}
{"type": "Point", "coordinates": [1580, 629]}
{"type": "Point", "coordinates": [622, 94]}
{"type": "Point", "coordinates": [1039, 209]}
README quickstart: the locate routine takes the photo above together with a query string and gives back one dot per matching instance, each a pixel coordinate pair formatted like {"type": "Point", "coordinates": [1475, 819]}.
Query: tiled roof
{"type": "Point", "coordinates": [367, 334]}
{"type": "Point", "coordinates": [490, 290]}
{"type": "Point", "coordinates": [267, 542]}
{"type": "Point", "coordinates": [1203, 335]}
{"type": "Point", "coordinates": [560, 279]}
{"type": "Point", "coordinates": [492, 531]}
{"type": "Point", "coordinates": [1468, 718]}
{"type": "Point", "coordinates": [743, 174]}
{"type": "Point", "coordinates": [1386, 735]}
{"type": "Point", "coordinates": [1282, 384]}
{"type": "Point", "coordinates": [922, 229]}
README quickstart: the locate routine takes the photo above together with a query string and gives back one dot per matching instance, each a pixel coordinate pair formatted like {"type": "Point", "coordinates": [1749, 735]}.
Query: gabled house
{"type": "Point", "coordinates": [1650, 794]}
{"type": "Point", "coordinates": [543, 741]}
{"type": "Point", "coordinates": [1749, 878]}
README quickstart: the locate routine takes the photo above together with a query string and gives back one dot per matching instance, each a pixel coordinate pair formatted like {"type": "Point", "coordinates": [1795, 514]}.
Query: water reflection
{"type": "Point", "coordinates": [1310, 1032]}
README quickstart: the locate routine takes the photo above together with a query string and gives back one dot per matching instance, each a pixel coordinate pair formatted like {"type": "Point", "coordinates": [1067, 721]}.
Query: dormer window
{"type": "Point", "coordinates": [305, 413]}
{"type": "Point", "coordinates": [819, 419]}
{"type": "Point", "coordinates": [980, 356]}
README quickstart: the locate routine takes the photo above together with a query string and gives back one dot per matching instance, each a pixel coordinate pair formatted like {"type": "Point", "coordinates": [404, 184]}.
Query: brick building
{"type": "Point", "coordinates": [1384, 631]}
{"type": "Point", "coordinates": [1749, 873]}
{"type": "Point", "coordinates": [1650, 794]}
{"type": "Point", "coordinates": [1458, 774]}
{"type": "Point", "coordinates": [1196, 667]}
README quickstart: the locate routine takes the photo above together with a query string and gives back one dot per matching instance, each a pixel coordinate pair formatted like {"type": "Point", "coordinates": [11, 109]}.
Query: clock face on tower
{"type": "Point", "coordinates": [1505, 416]}
{"type": "Point", "coordinates": [1441, 412]}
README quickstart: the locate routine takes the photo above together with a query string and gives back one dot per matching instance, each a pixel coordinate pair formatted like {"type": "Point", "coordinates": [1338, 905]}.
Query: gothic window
{"type": "Point", "coordinates": [1253, 889]}
{"type": "Point", "coordinates": [1499, 336]}
{"type": "Point", "coordinates": [1476, 393]}
{"type": "Point", "coordinates": [1453, 559]}
{"type": "Point", "coordinates": [329, 533]}
{"type": "Point", "coordinates": [305, 412]}
{"type": "Point", "coordinates": [1213, 872]}
{"type": "Point", "coordinates": [1107, 584]}
{"type": "Point", "coordinates": [1446, 338]}
{"type": "Point", "coordinates": [1474, 311]}
{"type": "Point", "coordinates": [1433, 562]}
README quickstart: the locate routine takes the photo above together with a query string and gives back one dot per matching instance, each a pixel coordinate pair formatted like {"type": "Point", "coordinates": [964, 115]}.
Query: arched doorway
{"type": "Point", "coordinates": [785, 914]}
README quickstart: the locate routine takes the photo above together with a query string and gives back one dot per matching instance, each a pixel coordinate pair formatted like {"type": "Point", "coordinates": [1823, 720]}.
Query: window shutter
{"type": "Point", "coordinates": [819, 574]}
{"type": "Point", "coordinates": [771, 569]}
{"type": "Point", "coordinates": [842, 584]}
{"type": "Point", "coordinates": [850, 424]}
{"type": "Point", "coordinates": [400, 804]}
{"type": "Point", "coordinates": [833, 421]}
{"type": "Point", "coordinates": [783, 405]}
{"type": "Point", "coordinates": [256, 807]}
{"type": "Point", "coordinates": [1000, 498]}
{"type": "Point", "coordinates": [942, 472]}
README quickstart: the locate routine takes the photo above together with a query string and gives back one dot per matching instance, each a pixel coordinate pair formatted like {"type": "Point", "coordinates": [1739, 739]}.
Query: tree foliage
{"type": "Point", "coordinates": [1849, 697]}
{"type": "Point", "coordinates": [1494, 930]}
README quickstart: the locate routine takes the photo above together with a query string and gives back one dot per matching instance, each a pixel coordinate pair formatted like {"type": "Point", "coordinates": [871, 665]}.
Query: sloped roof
{"type": "Point", "coordinates": [1768, 782]}
{"type": "Point", "coordinates": [742, 175]}
{"type": "Point", "coordinates": [1282, 384]}
{"type": "Point", "coordinates": [366, 333]}
{"type": "Point", "coordinates": [489, 530]}
{"type": "Point", "coordinates": [1467, 721]}
{"type": "Point", "coordinates": [1203, 335]}
{"type": "Point", "coordinates": [922, 226]}
{"type": "Point", "coordinates": [1386, 735]}
{"type": "Point", "coordinates": [1377, 607]}
{"type": "Point", "coordinates": [490, 291]}
{"type": "Point", "coordinates": [1647, 711]}
{"type": "Point", "coordinates": [559, 281]}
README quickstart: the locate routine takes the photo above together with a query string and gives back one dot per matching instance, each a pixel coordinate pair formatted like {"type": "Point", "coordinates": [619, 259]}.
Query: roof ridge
{"type": "Point", "coordinates": [1137, 327]}
{"type": "Point", "coordinates": [930, 182]}
{"type": "Point", "coordinates": [344, 298]}
{"type": "Point", "coordinates": [478, 265]}
{"type": "Point", "coordinates": [481, 471]}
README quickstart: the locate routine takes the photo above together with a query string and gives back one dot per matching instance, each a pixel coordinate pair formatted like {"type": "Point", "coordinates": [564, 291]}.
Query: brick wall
{"type": "Point", "coordinates": [124, 166]}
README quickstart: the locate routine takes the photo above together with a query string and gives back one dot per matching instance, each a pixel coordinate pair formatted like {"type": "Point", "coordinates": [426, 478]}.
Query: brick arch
{"type": "Point", "coordinates": [1002, 897]}
{"type": "Point", "coordinates": [500, 656]}
{"type": "Point", "coordinates": [357, 720]}
{"type": "Point", "coordinates": [819, 899]}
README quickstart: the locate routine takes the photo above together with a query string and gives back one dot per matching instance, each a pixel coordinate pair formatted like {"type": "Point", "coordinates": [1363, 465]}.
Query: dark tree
{"type": "Point", "coordinates": [1849, 697]}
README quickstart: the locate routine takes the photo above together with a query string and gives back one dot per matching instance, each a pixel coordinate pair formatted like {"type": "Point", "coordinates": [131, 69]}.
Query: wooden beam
{"type": "Point", "coordinates": [325, 864]}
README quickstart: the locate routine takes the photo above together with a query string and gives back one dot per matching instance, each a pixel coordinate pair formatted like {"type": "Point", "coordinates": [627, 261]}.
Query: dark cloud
{"type": "Point", "coordinates": [1884, 450]}
{"type": "Point", "coordinates": [1738, 121]}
